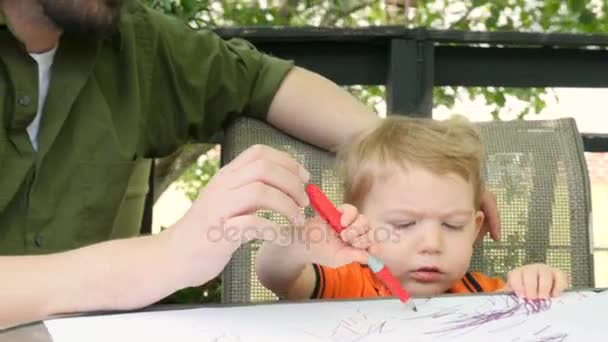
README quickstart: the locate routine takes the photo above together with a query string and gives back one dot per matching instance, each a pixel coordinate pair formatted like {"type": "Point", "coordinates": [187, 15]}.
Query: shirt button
{"type": "Point", "coordinates": [24, 100]}
{"type": "Point", "coordinates": [38, 240]}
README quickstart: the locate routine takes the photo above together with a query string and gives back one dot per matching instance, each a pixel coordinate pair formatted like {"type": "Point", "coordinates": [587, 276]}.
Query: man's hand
{"type": "Point", "coordinates": [223, 217]}
{"type": "Point", "coordinates": [536, 281]}
{"type": "Point", "coordinates": [492, 217]}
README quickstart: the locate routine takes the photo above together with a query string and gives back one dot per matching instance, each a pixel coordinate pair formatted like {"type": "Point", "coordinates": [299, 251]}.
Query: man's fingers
{"type": "Point", "coordinates": [242, 229]}
{"type": "Point", "coordinates": [258, 152]}
{"type": "Point", "coordinates": [258, 195]}
{"type": "Point", "coordinates": [267, 172]}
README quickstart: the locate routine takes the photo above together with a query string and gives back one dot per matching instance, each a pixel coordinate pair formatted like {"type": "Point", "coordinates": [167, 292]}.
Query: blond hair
{"type": "Point", "coordinates": [441, 147]}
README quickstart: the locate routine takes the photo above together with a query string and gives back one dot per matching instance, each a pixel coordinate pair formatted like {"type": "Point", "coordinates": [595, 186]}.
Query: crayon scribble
{"type": "Point", "coordinates": [512, 308]}
{"type": "Point", "coordinates": [355, 328]}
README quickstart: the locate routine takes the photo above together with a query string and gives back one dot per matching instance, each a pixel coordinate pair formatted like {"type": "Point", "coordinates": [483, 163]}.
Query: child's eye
{"type": "Point", "coordinates": [404, 225]}
{"type": "Point", "coordinates": [453, 226]}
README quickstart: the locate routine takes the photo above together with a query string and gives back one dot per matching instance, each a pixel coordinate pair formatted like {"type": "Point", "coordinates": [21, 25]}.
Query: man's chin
{"type": "Point", "coordinates": [70, 19]}
{"type": "Point", "coordinates": [88, 27]}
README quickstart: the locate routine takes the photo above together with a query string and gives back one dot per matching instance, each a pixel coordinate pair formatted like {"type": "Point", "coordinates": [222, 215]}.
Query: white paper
{"type": "Point", "coordinates": [486, 318]}
{"type": "Point", "coordinates": [585, 320]}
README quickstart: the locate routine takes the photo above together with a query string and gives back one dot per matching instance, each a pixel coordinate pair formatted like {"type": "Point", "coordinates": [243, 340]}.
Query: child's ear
{"type": "Point", "coordinates": [478, 221]}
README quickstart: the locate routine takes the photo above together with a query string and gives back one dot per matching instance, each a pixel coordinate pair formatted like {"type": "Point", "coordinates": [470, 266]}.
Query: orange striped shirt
{"type": "Point", "coordinates": [357, 281]}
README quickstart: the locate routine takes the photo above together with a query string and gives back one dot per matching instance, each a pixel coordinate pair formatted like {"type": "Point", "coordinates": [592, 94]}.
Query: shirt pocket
{"type": "Point", "coordinates": [103, 186]}
{"type": "Point", "coordinates": [128, 220]}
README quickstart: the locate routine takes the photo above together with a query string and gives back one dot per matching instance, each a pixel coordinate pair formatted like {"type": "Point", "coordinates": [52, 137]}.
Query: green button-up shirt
{"type": "Point", "coordinates": [112, 105]}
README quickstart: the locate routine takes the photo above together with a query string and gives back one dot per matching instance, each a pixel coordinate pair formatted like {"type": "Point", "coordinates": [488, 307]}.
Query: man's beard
{"type": "Point", "coordinates": [96, 17]}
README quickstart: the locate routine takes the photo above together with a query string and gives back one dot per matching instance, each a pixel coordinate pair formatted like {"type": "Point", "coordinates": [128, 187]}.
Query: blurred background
{"type": "Point", "coordinates": [179, 178]}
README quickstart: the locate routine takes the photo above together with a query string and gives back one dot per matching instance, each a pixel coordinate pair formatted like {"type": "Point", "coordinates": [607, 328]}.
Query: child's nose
{"type": "Point", "coordinates": [432, 239]}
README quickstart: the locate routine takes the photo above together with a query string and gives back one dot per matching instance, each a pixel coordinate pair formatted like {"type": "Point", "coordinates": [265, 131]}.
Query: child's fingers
{"type": "Point", "coordinates": [515, 282]}
{"type": "Point", "coordinates": [353, 238]}
{"type": "Point", "coordinates": [361, 225]}
{"type": "Point", "coordinates": [358, 228]}
{"type": "Point", "coordinates": [546, 282]}
{"type": "Point", "coordinates": [561, 282]}
{"type": "Point", "coordinates": [530, 278]}
{"type": "Point", "coordinates": [362, 241]}
{"type": "Point", "coordinates": [349, 214]}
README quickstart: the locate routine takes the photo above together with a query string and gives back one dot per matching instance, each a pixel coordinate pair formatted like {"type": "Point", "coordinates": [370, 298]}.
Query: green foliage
{"type": "Point", "coordinates": [199, 174]}
{"type": "Point", "coordinates": [577, 16]}
{"type": "Point", "coordinates": [491, 15]}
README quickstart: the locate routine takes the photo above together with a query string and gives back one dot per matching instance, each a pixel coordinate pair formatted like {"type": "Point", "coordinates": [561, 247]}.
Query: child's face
{"type": "Point", "coordinates": [424, 227]}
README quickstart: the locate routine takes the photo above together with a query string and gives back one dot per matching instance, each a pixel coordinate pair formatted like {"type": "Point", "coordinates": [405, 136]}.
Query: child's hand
{"type": "Point", "coordinates": [537, 281]}
{"type": "Point", "coordinates": [327, 248]}
{"type": "Point", "coordinates": [316, 242]}
{"type": "Point", "coordinates": [357, 232]}
{"type": "Point", "coordinates": [322, 245]}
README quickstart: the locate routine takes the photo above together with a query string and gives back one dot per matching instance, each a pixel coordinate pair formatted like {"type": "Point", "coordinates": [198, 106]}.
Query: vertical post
{"type": "Point", "coordinates": [411, 77]}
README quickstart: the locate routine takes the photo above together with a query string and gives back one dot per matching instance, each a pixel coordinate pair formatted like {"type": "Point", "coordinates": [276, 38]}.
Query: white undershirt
{"type": "Point", "coordinates": [45, 61]}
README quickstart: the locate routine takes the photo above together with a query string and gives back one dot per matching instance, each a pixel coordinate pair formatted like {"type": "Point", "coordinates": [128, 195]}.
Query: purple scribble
{"type": "Point", "coordinates": [514, 307]}
{"type": "Point", "coordinates": [536, 306]}
{"type": "Point", "coordinates": [555, 337]}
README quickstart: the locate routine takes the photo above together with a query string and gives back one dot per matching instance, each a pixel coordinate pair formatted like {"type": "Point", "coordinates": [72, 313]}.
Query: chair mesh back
{"type": "Point", "coordinates": [536, 169]}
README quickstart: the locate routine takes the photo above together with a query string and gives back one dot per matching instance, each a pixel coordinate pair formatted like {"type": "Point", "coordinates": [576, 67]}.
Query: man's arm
{"type": "Point", "coordinates": [120, 274]}
{"type": "Point", "coordinates": [316, 110]}
{"type": "Point", "coordinates": [199, 83]}
{"type": "Point", "coordinates": [132, 273]}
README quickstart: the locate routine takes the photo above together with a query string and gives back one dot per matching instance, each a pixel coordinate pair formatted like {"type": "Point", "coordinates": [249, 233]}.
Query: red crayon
{"type": "Point", "coordinates": [325, 208]}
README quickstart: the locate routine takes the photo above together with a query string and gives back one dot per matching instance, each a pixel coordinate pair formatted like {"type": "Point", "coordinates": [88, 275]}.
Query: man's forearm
{"type": "Point", "coordinates": [316, 110]}
{"type": "Point", "coordinates": [115, 275]}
